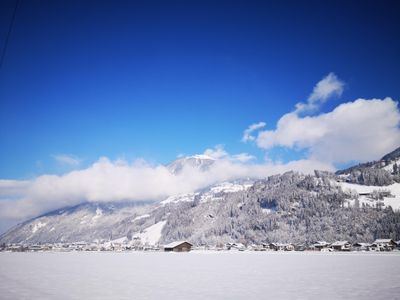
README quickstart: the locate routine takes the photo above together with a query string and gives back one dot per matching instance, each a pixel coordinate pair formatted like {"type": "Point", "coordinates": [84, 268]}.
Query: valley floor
{"type": "Point", "coordinates": [199, 275]}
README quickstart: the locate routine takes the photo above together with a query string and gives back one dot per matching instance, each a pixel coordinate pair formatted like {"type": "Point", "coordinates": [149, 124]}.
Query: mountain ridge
{"type": "Point", "coordinates": [386, 160]}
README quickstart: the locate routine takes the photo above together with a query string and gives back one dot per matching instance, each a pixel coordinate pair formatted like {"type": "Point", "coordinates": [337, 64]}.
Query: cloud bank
{"type": "Point", "coordinates": [120, 180]}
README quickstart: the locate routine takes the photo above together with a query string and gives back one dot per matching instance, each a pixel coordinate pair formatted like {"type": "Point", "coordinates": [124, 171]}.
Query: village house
{"type": "Point", "coordinates": [318, 246]}
{"type": "Point", "coordinates": [16, 248]}
{"type": "Point", "coordinates": [181, 246]}
{"type": "Point", "coordinates": [35, 248]}
{"type": "Point", "coordinates": [341, 246]}
{"type": "Point", "coordinates": [235, 246]}
{"type": "Point", "coordinates": [383, 245]}
{"type": "Point", "coordinates": [276, 247]}
{"type": "Point", "coordinates": [265, 247]}
{"type": "Point", "coordinates": [281, 247]}
{"type": "Point", "coordinates": [361, 246]}
{"type": "Point", "coordinates": [260, 247]}
{"type": "Point", "coordinates": [255, 247]}
{"type": "Point", "coordinates": [300, 247]}
{"type": "Point", "coordinates": [289, 247]}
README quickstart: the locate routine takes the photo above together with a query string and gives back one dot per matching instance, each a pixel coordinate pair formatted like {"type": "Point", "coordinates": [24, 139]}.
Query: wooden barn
{"type": "Point", "coordinates": [181, 246]}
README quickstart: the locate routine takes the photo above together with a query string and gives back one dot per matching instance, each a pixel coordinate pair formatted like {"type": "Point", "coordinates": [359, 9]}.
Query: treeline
{"type": "Point", "coordinates": [372, 176]}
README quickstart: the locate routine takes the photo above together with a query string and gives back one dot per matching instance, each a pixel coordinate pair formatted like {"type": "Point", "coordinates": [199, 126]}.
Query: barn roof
{"type": "Point", "coordinates": [340, 243]}
{"type": "Point", "coordinates": [175, 244]}
{"type": "Point", "coordinates": [321, 243]}
{"type": "Point", "coordinates": [383, 241]}
{"type": "Point", "coordinates": [362, 244]}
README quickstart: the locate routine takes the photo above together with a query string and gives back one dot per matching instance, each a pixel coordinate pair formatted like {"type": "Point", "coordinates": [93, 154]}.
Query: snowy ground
{"type": "Point", "coordinates": [199, 275]}
{"type": "Point", "coordinates": [393, 201]}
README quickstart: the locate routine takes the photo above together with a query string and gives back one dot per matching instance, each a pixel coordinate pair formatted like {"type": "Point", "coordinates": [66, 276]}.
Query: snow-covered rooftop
{"type": "Point", "coordinates": [340, 243]}
{"type": "Point", "coordinates": [174, 244]}
{"type": "Point", "coordinates": [383, 241]}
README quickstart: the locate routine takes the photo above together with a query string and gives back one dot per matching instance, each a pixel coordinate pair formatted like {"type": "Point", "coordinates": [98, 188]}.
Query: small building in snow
{"type": "Point", "coordinates": [361, 246]}
{"type": "Point", "coordinates": [181, 246]}
{"type": "Point", "coordinates": [235, 246]}
{"type": "Point", "coordinates": [383, 245]}
{"type": "Point", "coordinates": [341, 246]}
{"type": "Point", "coordinates": [318, 246]}
{"type": "Point", "coordinates": [281, 247]}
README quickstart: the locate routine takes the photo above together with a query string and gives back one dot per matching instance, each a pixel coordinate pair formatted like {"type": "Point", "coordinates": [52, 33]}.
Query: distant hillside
{"type": "Point", "coordinates": [394, 155]}
{"type": "Point", "coordinates": [382, 172]}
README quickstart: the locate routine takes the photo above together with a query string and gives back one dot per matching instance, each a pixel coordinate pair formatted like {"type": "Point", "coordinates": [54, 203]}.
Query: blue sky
{"type": "Point", "coordinates": [157, 79]}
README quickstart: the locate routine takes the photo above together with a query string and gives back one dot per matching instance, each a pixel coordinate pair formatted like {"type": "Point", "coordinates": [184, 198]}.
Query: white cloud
{"type": "Point", "coordinates": [355, 131]}
{"type": "Point", "coordinates": [247, 134]}
{"type": "Point", "coordinates": [67, 159]}
{"type": "Point", "coordinates": [242, 157]}
{"type": "Point", "coordinates": [217, 152]}
{"type": "Point", "coordinates": [328, 87]}
{"type": "Point", "coordinates": [361, 130]}
{"type": "Point", "coordinates": [108, 180]}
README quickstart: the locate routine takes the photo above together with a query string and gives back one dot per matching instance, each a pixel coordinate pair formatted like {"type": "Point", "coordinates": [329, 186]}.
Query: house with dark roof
{"type": "Point", "coordinates": [180, 246]}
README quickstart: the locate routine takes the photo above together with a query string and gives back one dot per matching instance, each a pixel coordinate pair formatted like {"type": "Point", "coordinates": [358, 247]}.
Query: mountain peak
{"type": "Point", "coordinates": [201, 162]}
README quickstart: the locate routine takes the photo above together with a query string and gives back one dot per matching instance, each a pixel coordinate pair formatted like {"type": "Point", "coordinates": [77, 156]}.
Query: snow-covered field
{"type": "Point", "coordinates": [199, 275]}
{"type": "Point", "coordinates": [393, 200]}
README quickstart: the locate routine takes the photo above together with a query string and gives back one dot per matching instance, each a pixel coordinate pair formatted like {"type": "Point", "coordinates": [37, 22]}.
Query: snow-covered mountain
{"type": "Point", "coordinates": [201, 162]}
{"type": "Point", "coordinates": [108, 221]}
{"type": "Point", "coordinates": [83, 222]}
{"type": "Point", "coordinates": [389, 162]}
{"type": "Point", "coordinates": [290, 207]}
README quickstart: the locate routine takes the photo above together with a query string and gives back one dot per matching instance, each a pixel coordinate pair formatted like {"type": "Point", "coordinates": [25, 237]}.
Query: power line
{"type": "Point", "coordinates": [3, 54]}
